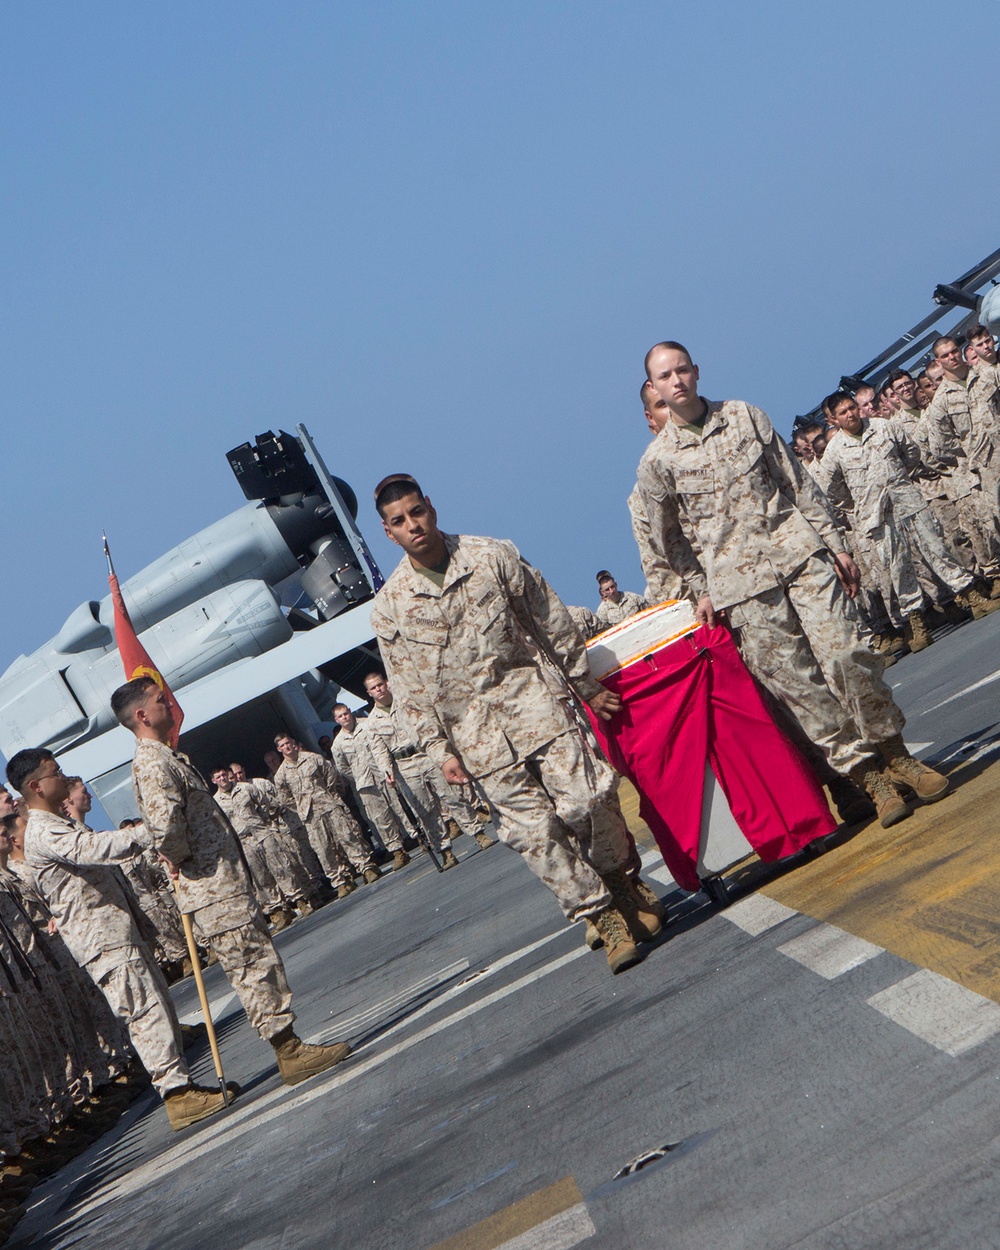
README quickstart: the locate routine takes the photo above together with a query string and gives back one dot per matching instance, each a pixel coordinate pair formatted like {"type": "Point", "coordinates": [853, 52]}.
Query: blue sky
{"type": "Point", "coordinates": [443, 235]}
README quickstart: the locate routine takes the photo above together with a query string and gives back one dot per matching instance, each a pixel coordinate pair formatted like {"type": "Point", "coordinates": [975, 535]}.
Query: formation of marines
{"type": "Point", "coordinates": [480, 704]}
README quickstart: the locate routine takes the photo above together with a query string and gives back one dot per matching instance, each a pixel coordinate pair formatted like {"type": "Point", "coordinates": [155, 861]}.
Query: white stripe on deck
{"type": "Point", "coordinates": [939, 1011]}
{"type": "Point", "coordinates": [983, 681]}
{"type": "Point", "coordinates": [829, 951]}
{"type": "Point", "coordinates": [758, 913]}
{"type": "Point", "coordinates": [560, 1232]}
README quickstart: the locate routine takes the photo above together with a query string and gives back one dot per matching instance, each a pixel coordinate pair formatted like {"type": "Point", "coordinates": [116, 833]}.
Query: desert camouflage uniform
{"type": "Point", "coordinates": [609, 613]}
{"type": "Point", "coordinates": [296, 877]}
{"type": "Point", "coordinates": [414, 776]}
{"type": "Point", "coordinates": [62, 1071]}
{"type": "Point", "coordinates": [190, 830]}
{"type": "Point", "coordinates": [662, 583]}
{"type": "Point", "coordinates": [291, 832]}
{"type": "Point", "coordinates": [932, 486]}
{"type": "Point", "coordinates": [73, 869]}
{"type": "Point", "coordinates": [353, 759]}
{"type": "Point", "coordinates": [312, 786]}
{"type": "Point", "coordinates": [584, 620]}
{"type": "Point", "coordinates": [462, 662]}
{"type": "Point", "coordinates": [265, 887]}
{"type": "Point", "coordinates": [101, 1038]}
{"type": "Point", "coordinates": [734, 514]}
{"type": "Point", "coordinates": [963, 438]}
{"type": "Point", "coordinates": [155, 896]}
{"type": "Point", "coordinates": [873, 470]}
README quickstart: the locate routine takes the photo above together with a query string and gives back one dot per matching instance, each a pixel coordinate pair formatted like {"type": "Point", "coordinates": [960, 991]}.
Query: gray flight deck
{"type": "Point", "coordinates": [497, 1059]}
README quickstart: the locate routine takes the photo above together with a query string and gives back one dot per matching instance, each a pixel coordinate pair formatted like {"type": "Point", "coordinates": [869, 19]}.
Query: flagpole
{"type": "Point", "coordinates": [205, 1009]}
{"type": "Point", "coordinates": [121, 610]}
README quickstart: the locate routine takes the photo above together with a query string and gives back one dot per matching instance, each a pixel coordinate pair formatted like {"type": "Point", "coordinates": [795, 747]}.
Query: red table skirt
{"type": "Point", "coordinates": [692, 701]}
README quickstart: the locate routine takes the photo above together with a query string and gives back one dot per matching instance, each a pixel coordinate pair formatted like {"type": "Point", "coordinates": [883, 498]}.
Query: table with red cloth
{"type": "Point", "coordinates": [690, 702]}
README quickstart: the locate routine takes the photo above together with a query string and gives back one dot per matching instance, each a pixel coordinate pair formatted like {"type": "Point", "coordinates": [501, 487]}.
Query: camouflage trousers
{"type": "Point", "coordinates": [454, 804]}
{"type": "Point", "coordinates": [20, 1070]}
{"type": "Point", "coordinates": [956, 540]}
{"type": "Point", "coordinates": [913, 552]}
{"type": "Point", "coordinates": [382, 817]}
{"type": "Point", "coordinates": [980, 521]}
{"type": "Point", "coordinates": [265, 887]}
{"type": "Point", "coordinates": [875, 596]}
{"type": "Point", "coordinates": [162, 911]}
{"type": "Point", "coordinates": [801, 642]}
{"type": "Point", "coordinates": [251, 963]}
{"type": "Point", "coordinates": [341, 848]}
{"type": "Point", "coordinates": [414, 785]}
{"type": "Point", "coordinates": [137, 993]}
{"type": "Point", "coordinates": [294, 838]}
{"type": "Point", "coordinates": [559, 810]}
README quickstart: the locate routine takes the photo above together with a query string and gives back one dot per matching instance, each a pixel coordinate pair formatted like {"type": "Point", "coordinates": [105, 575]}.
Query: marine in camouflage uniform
{"type": "Point", "coordinates": [352, 758]}
{"type": "Point", "coordinates": [311, 785]}
{"type": "Point", "coordinates": [409, 771]}
{"type": "Point", "coordinates": [612, 611]}
{"type": "Point", "coordinates": [733, 513]}
{"type": "Point", "coordinates": [460, 623]}
{"type": "Point", "coordinates": [963, 438]}
{"type": "Point", "coordinates": [929, 480]}
{"type": "Point", "coordinates": [868, 465]}
{"type": "Point", "coordinates": [73, 872]}
{"type": "Point", "coordinates": [155, 896]}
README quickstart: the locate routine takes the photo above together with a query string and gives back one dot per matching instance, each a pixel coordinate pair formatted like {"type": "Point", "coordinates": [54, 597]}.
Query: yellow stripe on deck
{"type": "Point", "coordinates": [629, 800]}
{"type": "Point", "coordinates": [514, 1220]}
{"type": "Point", "coordinates": [926, 889]}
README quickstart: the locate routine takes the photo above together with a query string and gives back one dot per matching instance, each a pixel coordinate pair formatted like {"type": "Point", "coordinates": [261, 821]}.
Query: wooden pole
{"type": "Point", "coordinates": [213, 1041]}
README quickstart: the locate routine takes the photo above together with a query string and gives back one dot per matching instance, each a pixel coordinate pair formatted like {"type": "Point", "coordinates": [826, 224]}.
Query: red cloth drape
{"type": "Point", "coordinates": [693, 701]}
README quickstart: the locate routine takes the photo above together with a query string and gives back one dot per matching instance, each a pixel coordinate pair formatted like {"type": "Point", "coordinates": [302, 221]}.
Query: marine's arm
{"type": "Point", "coordinates": [162, 799]}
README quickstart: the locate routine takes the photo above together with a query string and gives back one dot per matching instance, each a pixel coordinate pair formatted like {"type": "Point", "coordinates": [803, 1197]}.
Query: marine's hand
{"type": "Point", "coordinates": [390, 779]}
{"type": "Point", "coordinates": [605, 704]}
{"type": "Point", "coordinates": [52, 928]}
{"type": "Point", "coordinates": [848, 573]}
{"type": "Point", "coordinates": [173, 872]}
{"type": "Point", "coordinates": [454, 773]}
{"type": "Point", "coordinates": [704, 613]}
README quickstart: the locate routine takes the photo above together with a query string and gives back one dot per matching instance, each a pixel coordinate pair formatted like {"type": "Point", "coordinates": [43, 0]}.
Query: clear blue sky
{"type": "Point", "coordinates": [443, 235]}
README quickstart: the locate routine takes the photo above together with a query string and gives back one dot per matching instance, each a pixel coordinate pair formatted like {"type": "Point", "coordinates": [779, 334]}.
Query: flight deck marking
{"type": "Point", "coordinates": [252, 1118]}
{"type": "Point", "coordinates": [757, 913]}
{"type": "Point", "coordinates": [216, 1006]}
{"type": "Point", "coordinates": [943, 1013]}
{"type": "Point", "coordinates": [554, 1218]}
{"type": "Point", "coordinates": [829, 951]}
{"type": "Point", "coordinates": [983, 681]}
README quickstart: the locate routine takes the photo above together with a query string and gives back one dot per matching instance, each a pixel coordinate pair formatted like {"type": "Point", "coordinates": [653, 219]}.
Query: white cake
{"type": "Point", "coordinates": [640, 635]}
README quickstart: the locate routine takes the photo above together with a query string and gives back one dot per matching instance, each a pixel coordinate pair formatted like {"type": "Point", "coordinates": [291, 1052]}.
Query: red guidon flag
{"type": "Point", "coordinates": [135, 657]}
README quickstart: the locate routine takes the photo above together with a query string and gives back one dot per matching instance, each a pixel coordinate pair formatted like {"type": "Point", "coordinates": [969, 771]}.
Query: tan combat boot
{"type": "Point", "coordinates": [994, 588]}
{"type": "Point", "coordinates": [889, 807]}
{"type": "Point", "coordinates": [399, 859]}
{"type": "Point", "coordinates": [591, 936]}
{"type": "Point", "coordinates": [193, 1103]}
{"type": "Point", "coordinates": [371, 875]}
{"type": "Point", "coordinates": [648, 898]}
{"type": "Point", "coordinates": [852, 803]}
{"type": "Point", "coordinates": [345, 888]}
{"type": "Point", "coordinates": [484, 840]}
{"type": "Point", "coordinates": [448, 859]}
{"type": "Point", "coordinates": [619, 947]}
{"type": "Point", "coordinates": [644, 924]}
{"type": "Point", "coordinates": [280, 919]}
{"type": "Point", "coordinates": [305, 907]}
{"type": "Point", "coordinates": [917, 634]}
{"type": "Point", "coordinates": [954, 613]}
{"type": "Point", "coordinates": [977, 603]}
{"type": "Point", "coordinates": [911, 774]}
{"type": "Point", "coordinates": [298, 1060]}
